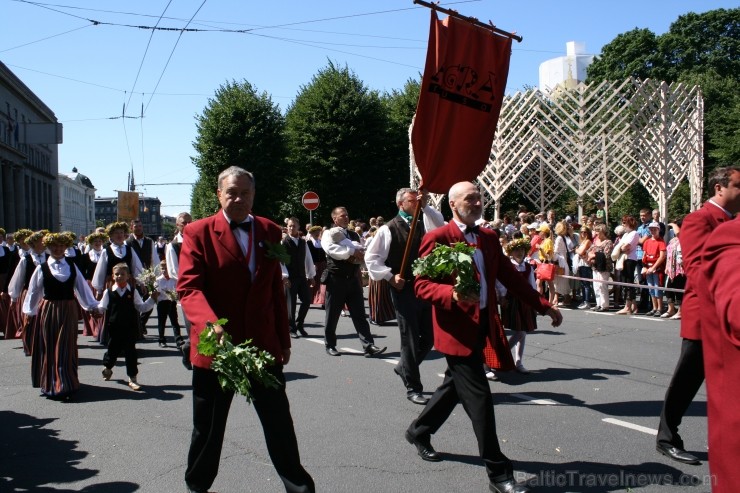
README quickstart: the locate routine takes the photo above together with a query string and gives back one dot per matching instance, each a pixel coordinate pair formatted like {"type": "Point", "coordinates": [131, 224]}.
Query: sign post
{"type": "Point", "coordinates": [310, 201]}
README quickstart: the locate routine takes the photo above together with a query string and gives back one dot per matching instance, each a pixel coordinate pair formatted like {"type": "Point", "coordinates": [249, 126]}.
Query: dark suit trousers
{"type": "Point", "coordinates": [687, 379]}
{"type": "Point", "coordinates": [466, 382]}
{"type": "Point", "coordinates": [341, 290]}
{"type": "Point", "coordinates": [298, 289]}
{"type": "Point", "coordinates": [210, 411]}
{"type": "Point", "coordinates": [414, 318]}
{"type": "Point", "coordinates": [168, 308]}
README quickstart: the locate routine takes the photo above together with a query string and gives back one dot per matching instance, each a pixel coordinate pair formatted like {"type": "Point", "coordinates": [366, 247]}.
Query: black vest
{"type": "Point", "coordinates": [176, 247]}
{"type": "Point", "coordinates": [113, 260]}
{"type": "Point", "coordinates": [343, 268]}
{"type": "Point", "coordinates": [30, 267]}
{"type": "Point", "coordinates": [122, 317]}
{"type": "Point", "coordinates": [317, 253]}
{"type": "Point", "coordinates": [400, 229]}
{"type": "Point", "coordinates": [297, 266]}
{"type": "Point", "coordinates": [161, 251]}
{"type": "Point", "coordinates": [144, 251]}
{"type": "Point", "coordinates": [5, 260]}
{"type": "Point", "coordinates": [56, 290]}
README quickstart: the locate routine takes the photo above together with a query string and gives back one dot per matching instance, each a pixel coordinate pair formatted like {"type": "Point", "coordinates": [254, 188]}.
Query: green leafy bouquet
{"type": "Point", "coordinates": [446, 261]}
{"type": "Point", "coordinates": [236, 366]}
{"type": "Point", "coordinates": [276, 251]}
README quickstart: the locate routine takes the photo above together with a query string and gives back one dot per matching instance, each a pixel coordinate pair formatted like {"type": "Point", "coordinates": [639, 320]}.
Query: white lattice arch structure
{"type": "Point", "coordinates": [596, 140]}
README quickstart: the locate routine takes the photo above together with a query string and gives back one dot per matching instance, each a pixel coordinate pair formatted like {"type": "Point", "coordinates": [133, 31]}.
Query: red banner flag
{"type": "Point", "coordinates": [459, 103]}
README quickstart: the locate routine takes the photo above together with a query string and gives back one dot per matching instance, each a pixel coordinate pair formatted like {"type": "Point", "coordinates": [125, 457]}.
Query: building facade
{"type": "Point", "coordinates": [76, 203]}
{"type": "Point", "coordinates": [566, 70]}
{"type": "Point", "coordinates": [29, 138]}
{"type": "Point", "coordinates": [106, 212]}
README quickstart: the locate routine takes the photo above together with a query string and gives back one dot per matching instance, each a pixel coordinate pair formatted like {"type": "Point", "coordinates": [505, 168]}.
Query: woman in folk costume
{"type": "Point", "coordinates": [318, 255]}
{"type": "Point", "coordinates": [113, 254]}
{"type": "Point", "coordinates": [19, 286]}
{"type": "Point", "coordinates": [14, 318]}
{"type": "Point", "coordinates": [92, 324]}
{"type": "Point", "coordinates": [517, 316]}
{"type": "Point", "coordinates": [51, 302]}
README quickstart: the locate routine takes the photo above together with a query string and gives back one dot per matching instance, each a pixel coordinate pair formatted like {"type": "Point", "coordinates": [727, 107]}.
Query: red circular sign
{"type": "Point", "coordinates": [310, 201]}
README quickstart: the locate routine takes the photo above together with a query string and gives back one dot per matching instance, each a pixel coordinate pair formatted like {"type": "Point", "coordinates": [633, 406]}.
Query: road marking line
{"type": "Point", "coordinates": [626, 424]}
{"type": "Point", "coordinates": [534, 400]}
{"type": "Point", "coordinates": [351, 350]}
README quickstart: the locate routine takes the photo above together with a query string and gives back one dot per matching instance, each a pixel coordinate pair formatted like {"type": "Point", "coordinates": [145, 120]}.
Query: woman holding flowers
{"type": "Point", "coordinates": [52, 290]}
{"type": "Point", "coordinates": [92, 324]}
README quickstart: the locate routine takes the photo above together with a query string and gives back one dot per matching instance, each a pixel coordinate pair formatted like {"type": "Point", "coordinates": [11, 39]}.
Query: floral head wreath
{"type": "Point", "coordinates": [62, 239]}
{"type": "Point", "coordinates": [36, 236]}
{"type": "Point", "coordinates": [314, 229]}
{"type": "Point", "coordinates": [93, 237]}
{"type": "Point", "coordinates": [22, 234]}
{"type": "Point", "coordinates": [2, 231]}
{"type": "Point", "coordinates": [117, 225]}
{"type": "Point", "coordinates": [70, 234]}
{"type": "Point", "coordinates": [519, 243]}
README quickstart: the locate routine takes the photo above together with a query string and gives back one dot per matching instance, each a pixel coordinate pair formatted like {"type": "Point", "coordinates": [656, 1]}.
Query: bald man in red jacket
{"type": "Point", "coordinates": [688, 376]}
{"type": "Point", "coordinates": [461, 324]}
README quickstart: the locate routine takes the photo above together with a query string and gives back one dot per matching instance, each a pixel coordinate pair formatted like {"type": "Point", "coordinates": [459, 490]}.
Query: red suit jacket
{"type": "Point", "coordinates": [721, 344]}
{"type": "Point", "coordinates": [214, 282]}
{"type": "Point", "coordinates": [695, 231]}
{"type": "Point", "coordinates": [456, 325]}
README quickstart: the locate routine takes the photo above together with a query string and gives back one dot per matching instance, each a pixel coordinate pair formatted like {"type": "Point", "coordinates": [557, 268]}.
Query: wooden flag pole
{"type": "Point", "coordinates": [409, 240]}
{"type": "Point", "coordinates": [471, 20]}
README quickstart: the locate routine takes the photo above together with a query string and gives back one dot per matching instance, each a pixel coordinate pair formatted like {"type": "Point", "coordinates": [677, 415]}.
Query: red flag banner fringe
{"type": "Point", "coordinates": [459, 103]}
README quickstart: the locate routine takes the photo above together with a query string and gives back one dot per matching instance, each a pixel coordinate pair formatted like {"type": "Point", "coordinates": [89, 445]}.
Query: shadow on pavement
{"type": "Point", "coordinates": [117, 388]}
{"type": "Point", "coordinates": [32, 456]}
{"type": "Point", "coordinates": [294, 375]}
{"type": "Point", "coordinates": [558, 374]}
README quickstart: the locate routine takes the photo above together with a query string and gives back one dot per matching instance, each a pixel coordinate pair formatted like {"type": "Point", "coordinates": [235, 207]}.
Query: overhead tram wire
{"type": "Point", "coordinates": [44, 39]}
{"type": "Point", "coordinates": [170, 57]}
{"type": "Point", "coordinates": [146, 50]}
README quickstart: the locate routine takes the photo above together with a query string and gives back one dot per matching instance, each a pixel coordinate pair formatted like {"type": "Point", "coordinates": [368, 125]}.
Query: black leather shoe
{"type": "Point", "coordinates": [424, 450]}
{"type": "Point", "coordinates": [302, 332]}
{"type": "Point", "coordinates": [185, 348]}
{"type": "Point", "coordinates": [373, 350]}
{"type": "Point", "coordinates": [508, 486]}
{"type": "Point", "coordinates": [294, 335]}
{"type": "Point", "coordinates": [417, 398]}
{"type": "Point", "coordinates": [677, 454]}
{"type": "Point", "coordinates": [332, 351]}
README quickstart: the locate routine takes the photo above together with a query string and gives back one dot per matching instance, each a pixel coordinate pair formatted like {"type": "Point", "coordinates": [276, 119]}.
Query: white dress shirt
{"type": "Point", "coordinates": [119, 251]}
{"type": "Point", "coordinates": [141, 306]}
{"type": "Point", "coordinates": [60, 269]}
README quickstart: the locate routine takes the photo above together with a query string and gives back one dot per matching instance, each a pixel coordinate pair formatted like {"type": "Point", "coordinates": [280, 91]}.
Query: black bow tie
{"type": "Point", "coordinates": [472, 229]}
{"type": "Point", "coordinates": [246, 226]}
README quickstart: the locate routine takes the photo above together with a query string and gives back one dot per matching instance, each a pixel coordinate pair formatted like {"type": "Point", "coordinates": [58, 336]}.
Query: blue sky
{"type": "Point", "coordinates": [86, 59]}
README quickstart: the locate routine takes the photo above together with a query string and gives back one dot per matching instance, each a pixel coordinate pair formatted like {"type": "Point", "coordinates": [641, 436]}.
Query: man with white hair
{"type": "Point", "coordinates": [462, 322]}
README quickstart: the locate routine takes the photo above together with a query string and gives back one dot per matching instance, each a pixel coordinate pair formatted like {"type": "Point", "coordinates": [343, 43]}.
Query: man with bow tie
{"type": "Point", "coordinates": [461, 325]}
{"type": "Point", "coordinates": [383, 258]}
{"type": "Point", "coordinates": [225, 272]}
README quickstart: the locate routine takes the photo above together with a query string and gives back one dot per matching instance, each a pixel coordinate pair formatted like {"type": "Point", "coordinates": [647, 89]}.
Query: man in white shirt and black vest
{"type": "Point", "coordinates": [301, 272]}
{"type": "Point", "coordinates": [383, 258]}
{"type": "Point", "coordinates": [342, 280]}
{"type": "Point", "coordinates": [144, 248]}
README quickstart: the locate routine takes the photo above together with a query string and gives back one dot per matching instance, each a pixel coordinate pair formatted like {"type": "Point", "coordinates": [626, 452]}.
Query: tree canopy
{"type": "Point", "coordinates": [240, 127]}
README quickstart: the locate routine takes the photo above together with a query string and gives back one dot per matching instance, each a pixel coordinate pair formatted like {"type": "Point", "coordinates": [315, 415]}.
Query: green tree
{"type": "Point", "coordinates": [336, 137]}
{"type": "Point", "coordinates": [697, 49]}
{"type": "Point", "coordinates": [240, 127]}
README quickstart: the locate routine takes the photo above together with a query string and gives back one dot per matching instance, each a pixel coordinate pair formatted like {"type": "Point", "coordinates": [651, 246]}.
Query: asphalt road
{"type": "Point", "coordinates": [583, 421]}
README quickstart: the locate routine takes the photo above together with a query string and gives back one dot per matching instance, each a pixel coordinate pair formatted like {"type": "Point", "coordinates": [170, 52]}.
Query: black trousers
{"type": "Point", "coordinates": [210, 411]}
{"type": "Point", "coordinates": [414, 317]}
{"type": "Point", "coordinates": [298, 289]}
{"type": "Point", "coordinates": [168, 309]}
{"type": "Point", "coordinates": [687, 379]}
{"type": "Point", "coordinates": [122, 343]}
{"type": "Point", "coordinates": [465, 382]}
{"type": "Point", "coordinates": [341, 291]}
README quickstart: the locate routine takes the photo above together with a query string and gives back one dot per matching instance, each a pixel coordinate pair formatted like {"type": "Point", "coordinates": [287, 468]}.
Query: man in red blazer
{"type": "Point", "coordinates": [461, 326]}
{"type": "Point", "coordinates": [224, 272]}
{"type": "Point", "coordinates": [724, 184]}
{"type": "Point", "coordinates": [721, 343]}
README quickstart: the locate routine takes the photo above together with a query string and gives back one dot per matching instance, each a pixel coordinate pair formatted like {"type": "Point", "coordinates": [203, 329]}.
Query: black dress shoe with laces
{"type": "Point", "coordinates": [677, 454]}
{"type": "Point", "coordinates": [417, 398]}
{"type": "Point", "coordinates": [425, 450]}
{"type": "Point", "coordinates": [508, 486]}
{"type": "Point", "coordinates": [373, 350]}
{"type": "Point", "coordinates": [302, 332]}
{"type": "Point", "coordinates": [294, 334]}
{"type": "Point", "coordinates": [332, 351]}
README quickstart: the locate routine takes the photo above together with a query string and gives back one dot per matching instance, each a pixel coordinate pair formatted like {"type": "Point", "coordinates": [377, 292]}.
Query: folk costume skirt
{"type": "Point", "coordinates": [380, 301]}
{"type": "Point", "coordinates": [57, 347]}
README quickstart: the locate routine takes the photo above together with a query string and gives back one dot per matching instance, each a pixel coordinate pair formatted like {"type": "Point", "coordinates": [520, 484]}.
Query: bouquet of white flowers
{"type": "Point", "coordinates": [148, 279]}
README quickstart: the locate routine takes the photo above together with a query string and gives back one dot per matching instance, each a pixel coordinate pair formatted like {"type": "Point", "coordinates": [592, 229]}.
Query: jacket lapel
{"type": "Point", "coordinates": [226, 237]}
